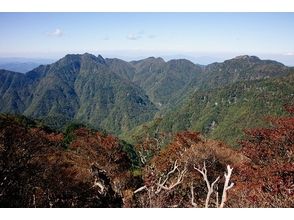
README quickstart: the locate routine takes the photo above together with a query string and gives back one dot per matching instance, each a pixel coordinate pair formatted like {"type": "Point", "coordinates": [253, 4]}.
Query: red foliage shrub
{"type": "Point", "coordinates": [271, 174]}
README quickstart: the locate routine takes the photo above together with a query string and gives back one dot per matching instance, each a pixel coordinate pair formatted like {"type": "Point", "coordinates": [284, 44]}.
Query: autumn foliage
{"type": "Point", "coordinates": [271, 174]}
{"type": "Point", "coordinates": [86, 168]}
{"type": "Point", "coordinates": [263, 174]}
{"type": "Point", "coordinates": [37, 171]}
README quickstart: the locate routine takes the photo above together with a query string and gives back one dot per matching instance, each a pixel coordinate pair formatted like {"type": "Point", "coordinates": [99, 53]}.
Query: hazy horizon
{"type": "Point", "coordinates": [200, 37]}
{"type": "Point", "coordinates": [202, 60]}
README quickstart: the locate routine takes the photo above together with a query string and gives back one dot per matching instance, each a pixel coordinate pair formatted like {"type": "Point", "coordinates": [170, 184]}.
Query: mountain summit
{"type": "Point", "coordinates": [76, 87]}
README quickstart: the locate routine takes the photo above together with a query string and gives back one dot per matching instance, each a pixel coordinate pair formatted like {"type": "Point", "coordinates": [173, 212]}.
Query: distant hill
{"type": "Point", "coordinates": [22, 65]}
{"type": "Point", "coordinates": [19, 67]}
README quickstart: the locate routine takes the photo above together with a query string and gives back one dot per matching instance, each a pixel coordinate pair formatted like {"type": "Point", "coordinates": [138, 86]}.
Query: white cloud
{"type": "Point", "coordinates": [56, 33]}
{"type": "Point", "coordinates": [139, 35]}
{"type": "Point", "coordinates": [134, 36]}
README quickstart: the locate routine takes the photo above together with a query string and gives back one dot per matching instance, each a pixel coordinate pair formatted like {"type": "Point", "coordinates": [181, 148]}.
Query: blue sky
{"type": "Point", "coordinates": [202, 36]}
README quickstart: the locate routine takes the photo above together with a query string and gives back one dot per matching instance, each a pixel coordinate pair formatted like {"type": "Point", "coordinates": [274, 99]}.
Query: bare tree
{"type": "Point", "coordinates": [181, 174]}
{"type": "Point", "coordinates": [162, 184]}
{"type": "Point", "coordinates": [226, 186]}
{"type": "Point", "coordinates": [209, 186]}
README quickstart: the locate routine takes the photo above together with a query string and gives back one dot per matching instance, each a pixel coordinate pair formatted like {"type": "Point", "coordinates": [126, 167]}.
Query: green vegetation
{"type": "Point", "coordinates": [78, 87]}
{"type": "Point", "coordinates": [132, 154]}
{"type": "Point", "coordinates": [69, 133]}
{"type": "Point", "coordinates": [224, 113]}
{"type": "Point", "coordinates": [170, 116]}
{"type": "Point", "coordinates": [149, 96]}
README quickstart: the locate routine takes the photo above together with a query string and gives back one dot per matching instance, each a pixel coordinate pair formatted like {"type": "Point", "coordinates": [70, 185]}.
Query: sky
{"type": "Point", "coordinates": [200, 37]}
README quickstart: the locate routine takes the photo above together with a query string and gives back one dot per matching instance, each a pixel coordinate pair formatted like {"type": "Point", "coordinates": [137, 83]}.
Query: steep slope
{"type": "Point", "coordinates": [14, 91]}
{"type": "Point", "coordinates": [122, 68]}
{"type": "Point", "coordinates": [77, 87]}
{"type": "Point", "coordinates": [223, 113]}
{"type": "Point", "coordinates": [162, 80]}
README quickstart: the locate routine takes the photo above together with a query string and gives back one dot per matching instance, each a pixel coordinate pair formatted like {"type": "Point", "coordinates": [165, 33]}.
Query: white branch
{"type": "Point", "coordinates": [166, 178]}
{"type": "Point", "coordinates": [192, 196]}
{"type": "Point", "coordinates": [140, 189]}
{"type": "Point", "coordinates": [203, 171]}
{"type": "Point", "coordinates": [161, 185]}
{"type": "Point", "coordinates": [142, 157]}
{"type": "Point", "coordinates": [226, 186]}
{"type": "Point", "coordinates": [216, 199]}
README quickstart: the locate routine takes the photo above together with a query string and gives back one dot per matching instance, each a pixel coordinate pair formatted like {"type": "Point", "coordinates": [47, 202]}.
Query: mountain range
{"type": "Point", "coordinates": [87, 131]}
{"type": "Point", "coordinates": [142, 97]}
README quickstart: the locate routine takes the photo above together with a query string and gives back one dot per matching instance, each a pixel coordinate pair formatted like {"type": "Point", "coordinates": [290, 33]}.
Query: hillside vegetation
{"type": "Point", "coordinates": [225, 112]}
{"type": "Point", "coordinates": [44, 168]}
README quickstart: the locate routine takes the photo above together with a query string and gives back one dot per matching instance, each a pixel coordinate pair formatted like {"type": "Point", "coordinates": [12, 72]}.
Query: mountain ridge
{"type": "Point", "coordinates": [63, 89]}
{"type": "Point", "coordinates": [116, 95]}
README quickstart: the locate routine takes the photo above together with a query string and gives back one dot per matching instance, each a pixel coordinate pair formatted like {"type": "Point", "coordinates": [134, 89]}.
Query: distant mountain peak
{"type": "Point", "coordinates": [158, 59]}
{"type": "Point", "coordinates": [70, 56]}
{"type": "Point", "coordinates": [88, 55]}
{"type": "Point", "coordinates": [100, 59]}
{"type": "Point", "coordinates": [242, 57]}
{"type": "Point", "coordinates": [91, 57]}
{"type": "Point", "coordinates": [246, 57]}
{"type": "Point", "coordinates": [180, 61]}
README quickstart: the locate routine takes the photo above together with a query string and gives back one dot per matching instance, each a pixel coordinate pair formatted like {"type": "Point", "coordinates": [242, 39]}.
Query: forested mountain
{"type": "Point", "coordinates": [162, 80]}
{"type": "Point", "coordinates": [223, 113]}
{"type": "Point", "coordinates": [159, 79]}
{"type": "Point", "coordinates": [77, 87]}
{"type": "Point", "coordinates": [240, 68]}
{"type": "Point", "coordinates": [219, 99]}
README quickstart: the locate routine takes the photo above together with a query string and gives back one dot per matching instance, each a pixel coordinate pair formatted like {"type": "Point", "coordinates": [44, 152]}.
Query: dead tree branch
{"type": "Point", "coordinates": [161, 185]}
{"type": "Point", "coordinates": [192, 196]}
{"type": "Point", "coordinates": [226, 186]}
{"type": "Point", "coordinates": [140, 189]}
{"type": "Point", "coordinates": [203, 171]}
